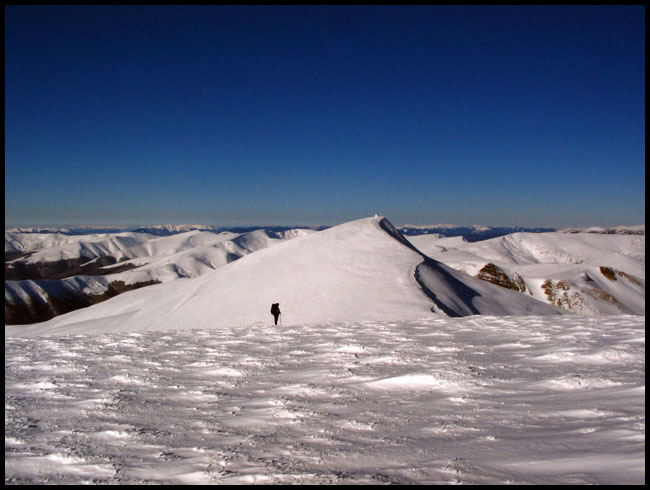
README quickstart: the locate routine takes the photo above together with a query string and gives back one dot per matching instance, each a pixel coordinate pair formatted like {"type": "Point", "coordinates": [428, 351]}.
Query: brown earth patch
{"type": "Point", "coordinates": [608, 272]}
{"type": "Point", "coordinates": [495, 275]}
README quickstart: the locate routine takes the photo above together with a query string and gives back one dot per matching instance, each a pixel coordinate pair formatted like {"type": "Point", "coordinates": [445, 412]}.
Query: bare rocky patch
{"type": "Point", "coordinates": [611, 274]}
{"type": "Point", "coordinates": [496, 275]}
{"type": "Point", "coordinates": [566, 295]}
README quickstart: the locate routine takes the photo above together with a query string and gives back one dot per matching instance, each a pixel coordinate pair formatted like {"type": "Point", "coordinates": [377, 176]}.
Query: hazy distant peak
{"type": "Point", "coordinates": [614, 230]}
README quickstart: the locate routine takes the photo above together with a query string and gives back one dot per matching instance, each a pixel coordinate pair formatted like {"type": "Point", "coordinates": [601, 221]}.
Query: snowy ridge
{"type": "Point", "coordinates": [33, 242]}
{"type": "Point", "coordinates": [193, 254]}
{"type": "Point", "coordinates": [131, 245]}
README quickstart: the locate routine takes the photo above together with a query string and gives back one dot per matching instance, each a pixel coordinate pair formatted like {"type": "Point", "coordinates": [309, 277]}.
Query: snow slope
{"type": "Point", "coordinates": [475, 400]}
{"type": "Point", "coordinates": [362, 270]}
{"type": "Point", "coordinates": [156, 259]}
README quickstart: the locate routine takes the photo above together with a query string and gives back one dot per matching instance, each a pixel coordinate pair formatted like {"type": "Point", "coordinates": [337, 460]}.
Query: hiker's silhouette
{"type": "Point", "coordinates": [275, 311]}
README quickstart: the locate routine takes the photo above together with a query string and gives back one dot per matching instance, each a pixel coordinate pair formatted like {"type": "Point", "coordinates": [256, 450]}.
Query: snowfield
{"type": "Point", "coordinates": [480, 399]}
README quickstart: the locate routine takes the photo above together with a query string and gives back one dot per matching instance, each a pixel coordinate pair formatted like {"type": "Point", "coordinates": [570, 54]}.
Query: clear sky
{"type": "Point", "coordinates": [531, 116]}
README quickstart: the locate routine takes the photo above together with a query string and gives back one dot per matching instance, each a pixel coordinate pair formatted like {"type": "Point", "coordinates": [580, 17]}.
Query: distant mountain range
{"type": "Point", "coordinates": [470, 233]}
{"type": "Point", "coordinates": [158, 230]}
{"type": "Point", "coordinates": [615, 230]}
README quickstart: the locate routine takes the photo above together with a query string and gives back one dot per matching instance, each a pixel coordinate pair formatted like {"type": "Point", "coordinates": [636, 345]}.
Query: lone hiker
{"type": "Point", "coordinates": [275, 311]}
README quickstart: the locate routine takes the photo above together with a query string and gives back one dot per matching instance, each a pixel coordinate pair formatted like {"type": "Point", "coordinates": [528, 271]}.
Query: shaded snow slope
{"type": "Point", "coordinates": [476, 400]}
{"type": "Point", "coordinates": [362, 270]}
{"type": "Point", "coordinates": [456, 295]}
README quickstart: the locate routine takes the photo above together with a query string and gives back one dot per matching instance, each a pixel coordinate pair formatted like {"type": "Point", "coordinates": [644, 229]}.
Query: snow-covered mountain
{"type": "Point", "coordinates": [166, 230]}
{"type": "Point", "coordinates": [124, 248]}
{"type": "Point", "coordinates": [158, 230]}
{"type": "Point", "coordinates": [68, 230]}
{"type": "Point", "coordinates": [583, 273]}
{"type": "Point", "coordinates": [61, 273]}
{"type": "Point", "coordinates": [362, 270]}
{"type": "Point", "coordinates": [587, 273]}
{"type": "Point", "coordinates": [472, 233]}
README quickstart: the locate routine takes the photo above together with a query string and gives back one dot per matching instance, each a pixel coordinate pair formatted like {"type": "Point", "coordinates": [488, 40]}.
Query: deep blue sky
{"type": "Point", "coordinates": [530, 116]}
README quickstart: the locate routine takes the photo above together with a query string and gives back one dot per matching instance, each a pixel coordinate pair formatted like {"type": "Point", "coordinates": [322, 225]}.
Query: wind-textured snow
{"type": "Point", "coordinates": [477, 400]}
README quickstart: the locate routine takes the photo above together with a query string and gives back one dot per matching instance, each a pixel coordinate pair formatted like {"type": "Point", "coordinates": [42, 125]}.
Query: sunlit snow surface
{"type": "Point", "coordinates": [471, 400]}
